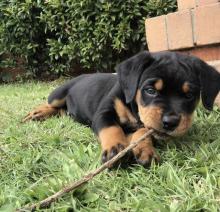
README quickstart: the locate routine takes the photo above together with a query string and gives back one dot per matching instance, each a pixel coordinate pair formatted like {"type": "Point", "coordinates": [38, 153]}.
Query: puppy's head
{"type": "Point", "coordinates": [167, 87]}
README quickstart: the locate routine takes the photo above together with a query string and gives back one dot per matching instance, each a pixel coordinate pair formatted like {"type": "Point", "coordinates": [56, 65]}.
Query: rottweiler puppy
{"type": "Point", "coordinates": [157, 91]}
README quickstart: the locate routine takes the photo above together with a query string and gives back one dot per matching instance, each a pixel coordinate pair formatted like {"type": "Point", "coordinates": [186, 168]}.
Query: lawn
{"type": "Point", "coordinates": [38, 158]}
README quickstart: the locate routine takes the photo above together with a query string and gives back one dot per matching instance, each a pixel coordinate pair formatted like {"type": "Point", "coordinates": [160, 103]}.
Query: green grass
{"type": "Point", "coordinates": [38, 158]}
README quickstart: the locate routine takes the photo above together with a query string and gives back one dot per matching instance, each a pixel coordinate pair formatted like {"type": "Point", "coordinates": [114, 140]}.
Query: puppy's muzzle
{"type": "Point", "coordinates": [170, 121]}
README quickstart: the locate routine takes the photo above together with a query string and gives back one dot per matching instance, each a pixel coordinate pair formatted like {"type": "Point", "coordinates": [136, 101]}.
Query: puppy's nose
{"type": "Point", "coordinates": [170, 122]}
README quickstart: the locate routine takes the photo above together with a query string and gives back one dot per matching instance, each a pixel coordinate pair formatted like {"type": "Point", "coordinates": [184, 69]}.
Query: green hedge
{"type": "Point", "coordinates": [55, 34]}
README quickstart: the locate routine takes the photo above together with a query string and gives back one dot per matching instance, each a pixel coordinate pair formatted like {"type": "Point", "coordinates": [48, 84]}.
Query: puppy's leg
{"type": "Point", "coordinates": [43, 112]}
{"type": "Point", "coordinates": [56, 104]}
{"type": "Point", "coordinates": [144, 152]}
{"type": "Point", "coordinates": [113, 140]}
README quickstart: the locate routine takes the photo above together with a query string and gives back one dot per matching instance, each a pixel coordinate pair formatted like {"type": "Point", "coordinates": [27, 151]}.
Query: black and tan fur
{"type": "Point", "coordinates": [150, 90]}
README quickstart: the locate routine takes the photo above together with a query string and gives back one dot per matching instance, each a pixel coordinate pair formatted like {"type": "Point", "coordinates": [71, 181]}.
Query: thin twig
{"type": "Point", "coordinates": [46, 202]}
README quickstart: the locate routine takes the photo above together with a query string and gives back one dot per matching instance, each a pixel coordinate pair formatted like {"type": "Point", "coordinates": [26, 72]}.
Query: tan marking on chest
{"type": "Point", "coordinates": [124, 114]}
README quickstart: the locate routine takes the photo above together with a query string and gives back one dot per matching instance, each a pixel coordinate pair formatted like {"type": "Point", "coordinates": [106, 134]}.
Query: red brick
{"type": "Point", "coordinates": [207, 24]}
{"type": "Point", "coordinates": [205, 2]}
{"type": "Point", "coordinates": [156, 33]}
{"type": "Point", "coordinates": [179, 30]}
{"type": "Point", "coordinates": [186, 4]}
{"type": "Point", "coordinates": [207, 53]}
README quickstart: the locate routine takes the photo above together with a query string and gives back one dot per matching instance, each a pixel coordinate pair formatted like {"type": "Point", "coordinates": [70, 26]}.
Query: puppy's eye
{"type": "Point", "coordinates": [189, 95]}
{"type": "Point", "coordinates": [150, 92]}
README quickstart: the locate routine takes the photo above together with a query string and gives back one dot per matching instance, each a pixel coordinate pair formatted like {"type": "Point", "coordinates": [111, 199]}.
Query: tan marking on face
{"type": "Point", "coordinates": [185, 87]}
{"type": "Point", "coordinates": [58, 102]}
{"type": "Point", "coordinates": [184, 125]}
{"type": "Point", "coordinates": [112, 136]}
{"type": "Point", "coordinates": [159, 85]}
{"type": "Point", "coordinates": [149, 115]}
{"type": "Point", "coordinates": [123, 112]}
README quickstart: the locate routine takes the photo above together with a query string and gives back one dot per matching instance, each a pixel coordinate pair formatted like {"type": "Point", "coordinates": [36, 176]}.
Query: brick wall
{"type": "Point", "coordinates": [187, 4]}
{"type": "Point", "coordinates": [191, 26]}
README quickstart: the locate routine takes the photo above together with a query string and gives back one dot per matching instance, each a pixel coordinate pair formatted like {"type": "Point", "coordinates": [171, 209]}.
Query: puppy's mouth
{"type": "Point", "coordinates": [160, 134]}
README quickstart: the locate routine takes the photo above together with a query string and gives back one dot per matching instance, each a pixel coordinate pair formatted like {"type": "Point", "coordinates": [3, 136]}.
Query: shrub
{"type": "Point", "coordinates": [54, 34]}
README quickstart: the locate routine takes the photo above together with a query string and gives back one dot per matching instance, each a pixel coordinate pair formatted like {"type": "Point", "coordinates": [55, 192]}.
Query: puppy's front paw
{"type": "Point", "coordinates": [144, 154]}
{"type": "Point", "coordinates": [110, 150]}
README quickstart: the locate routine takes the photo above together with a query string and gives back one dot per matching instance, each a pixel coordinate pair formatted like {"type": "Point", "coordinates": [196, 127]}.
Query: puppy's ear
{"type": "Point", "coordinates": [130, 71]}
{"type": "Point", "coordinates": [209, 82]}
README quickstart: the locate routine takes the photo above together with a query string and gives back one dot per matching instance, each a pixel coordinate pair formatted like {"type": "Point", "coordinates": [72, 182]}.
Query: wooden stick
{"type": "Point", "coordinates": [46, 202]}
